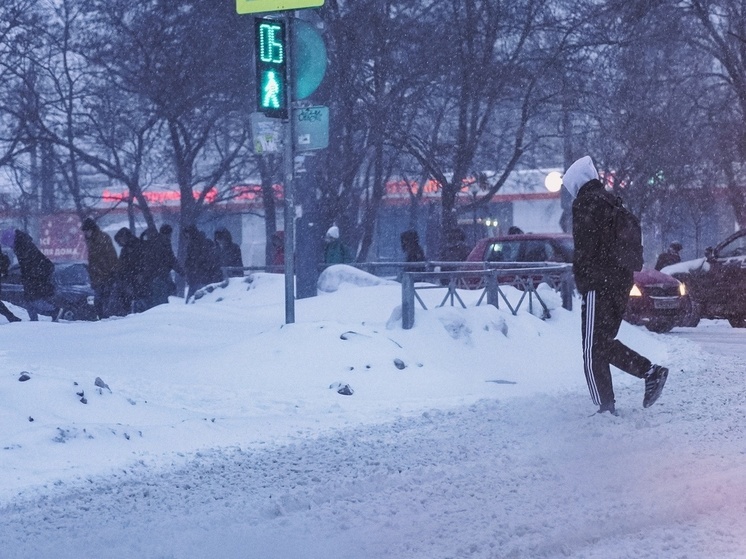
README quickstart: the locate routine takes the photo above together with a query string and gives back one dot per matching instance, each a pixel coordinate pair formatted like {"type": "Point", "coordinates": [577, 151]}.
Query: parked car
{"type": "Point", "coordinates": [656, 301]}
{"type": "Point", "coordinates": [716, 282]}
{"type": "Point", "coordinates": [73, 293]}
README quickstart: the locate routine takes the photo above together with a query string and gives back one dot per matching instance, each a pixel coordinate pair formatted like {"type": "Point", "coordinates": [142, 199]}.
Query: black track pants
{"type": "Point", "coordinates": [602, 314]}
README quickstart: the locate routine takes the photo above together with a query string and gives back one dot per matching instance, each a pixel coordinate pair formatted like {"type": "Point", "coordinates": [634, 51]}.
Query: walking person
{"type": "Point", "coordinates": [36, 277]}
{"type": "Point", "coordinates": [4, 267]}
{"type": "Point", "coordinates": [604, 287]}
{"type": "Point", "coordinates": [671, 256]}
{"type": "Point", "coordinates": [102, 265]}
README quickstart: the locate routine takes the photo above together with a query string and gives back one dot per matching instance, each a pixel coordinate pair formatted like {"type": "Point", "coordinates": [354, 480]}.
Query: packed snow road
{"type": "Point", "coordinates": [222, 436]}
{"type": "Point", "coordinates": [525, 477]}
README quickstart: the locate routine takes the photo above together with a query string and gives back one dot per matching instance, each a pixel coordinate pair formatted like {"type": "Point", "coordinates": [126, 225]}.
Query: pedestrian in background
{"type": "Point", "coordinates": [4, 267]}
{"type": "Point", "coordinates": [131, 286]}
{"type": "Point", "coordinates": [36, 276]}
{"type": "Point", "coordinates": [605, 289]}
{"type": "Point", "coordinates": [335, 252]}
{"type": "Point", "coordinates": [670, 256]}
{"type": "Point", "coordinates": [410, 244]}
{"type": "Point", "coordinates": [201, 264]}
{"type": "Point", "coordinates": [229, 253]}
{"type": "Point", "coordinates": [102, 265]}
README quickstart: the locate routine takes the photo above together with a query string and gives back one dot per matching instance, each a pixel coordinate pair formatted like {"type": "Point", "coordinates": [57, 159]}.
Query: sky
{"type": "Point", "coordinates": [213, 429]}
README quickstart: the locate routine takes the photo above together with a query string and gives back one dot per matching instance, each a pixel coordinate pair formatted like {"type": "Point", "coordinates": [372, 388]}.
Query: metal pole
{"type": "Point", "coordinates": [289, 167]}
{"type": "Point", "coordinates": [474, 222]}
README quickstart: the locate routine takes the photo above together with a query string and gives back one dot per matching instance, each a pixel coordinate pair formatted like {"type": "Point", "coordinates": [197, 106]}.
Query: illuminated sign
{"type": "Point", "coordinates": [271, 83]}
{"type": "Point", "coordinates": [256, 6]}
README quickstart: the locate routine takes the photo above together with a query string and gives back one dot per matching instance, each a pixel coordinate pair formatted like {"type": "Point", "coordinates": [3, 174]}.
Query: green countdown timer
{"type": "Point", "coordinates": [271, 83]}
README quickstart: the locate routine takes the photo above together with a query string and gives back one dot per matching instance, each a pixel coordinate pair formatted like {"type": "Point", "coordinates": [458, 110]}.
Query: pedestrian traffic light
{"type": "Point", "coordinates": [271, 80]}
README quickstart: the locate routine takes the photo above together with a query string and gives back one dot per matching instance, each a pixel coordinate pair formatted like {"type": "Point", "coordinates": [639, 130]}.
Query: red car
{"type": "Point", "coordinates": [655, 301]}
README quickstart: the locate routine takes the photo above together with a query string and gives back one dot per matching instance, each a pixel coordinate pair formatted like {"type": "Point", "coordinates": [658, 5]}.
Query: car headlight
{"type": "Point", "coordinates": [682, 288]}
{"type": "Point", "coordinates": [635, 291]}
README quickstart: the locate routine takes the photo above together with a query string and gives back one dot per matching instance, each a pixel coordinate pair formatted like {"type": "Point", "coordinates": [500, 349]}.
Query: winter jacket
{"type": "Point", "coordinates": [36, 269]}
{"type": "Point", "coordinates": [102, 258]}
{"type": "Point", "coordinates": [592, 231]}
{"type": "Point", "coordinates": [201, 264]}
{"type": "Point", "coordinates": [131, 268]}
{"type": "Point", "coordinates": [336, 253]}
{"type": "Point", "coordinates": [229, 253]}
{"type": "Point", "coordinates": [667, 259]}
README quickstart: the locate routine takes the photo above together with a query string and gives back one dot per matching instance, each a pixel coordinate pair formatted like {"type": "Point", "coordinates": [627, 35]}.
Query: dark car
{"type": "Point", "coordinates": [656, 299]}
{"type": "Point", "coordinates": [716, 283]}
{"type": "Point", "coordinates": [73, 293]}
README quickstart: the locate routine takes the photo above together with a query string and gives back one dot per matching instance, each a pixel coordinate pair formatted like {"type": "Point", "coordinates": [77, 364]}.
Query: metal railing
{"type": "Point", "coordinates": [525, 277]}
{"type": "Point", "coordinates": [490, 277]}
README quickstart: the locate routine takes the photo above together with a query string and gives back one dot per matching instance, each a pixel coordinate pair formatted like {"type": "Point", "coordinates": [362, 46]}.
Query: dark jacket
{"type": "Point", "coordinates": [667, 259]}
{"type": "Point", "coordinates": [36, 269]}
{"type": "Point", "coordinates": [131, 271]}
{"type": "Point", "coordinates": [201, 264]}
{"type": "Point", "coordinates": [102, 258]}
{"type": "Point", "coordinates": [592, 230]}
{"type": "Point", "coordinates": [229, 253]}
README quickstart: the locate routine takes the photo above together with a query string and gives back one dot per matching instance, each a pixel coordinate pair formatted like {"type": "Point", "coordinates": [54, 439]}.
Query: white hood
{"type": "Point", "coordinates": [578, 174]}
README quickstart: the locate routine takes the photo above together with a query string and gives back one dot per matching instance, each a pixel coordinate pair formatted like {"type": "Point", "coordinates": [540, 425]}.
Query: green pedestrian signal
{"type": "Point", "coordinates": [271, 54]}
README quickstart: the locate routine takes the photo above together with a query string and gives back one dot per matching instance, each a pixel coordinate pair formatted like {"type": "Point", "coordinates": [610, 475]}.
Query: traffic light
{"type": "Point", "coordinates": [271, 54]}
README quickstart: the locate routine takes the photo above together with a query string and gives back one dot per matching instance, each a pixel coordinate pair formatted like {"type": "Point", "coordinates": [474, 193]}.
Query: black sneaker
{"type": "Point", "coordinates": [608, 408]}
{"type": "Point", "coordinates": [654, 382]}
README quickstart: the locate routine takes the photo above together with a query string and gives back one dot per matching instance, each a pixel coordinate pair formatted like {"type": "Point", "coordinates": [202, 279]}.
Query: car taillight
{"type": "Point", "coordinates": [635, 291]}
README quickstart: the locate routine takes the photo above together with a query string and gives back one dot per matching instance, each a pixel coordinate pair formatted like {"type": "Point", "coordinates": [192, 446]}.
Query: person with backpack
{"type": "Point", "coordinates": [608, 251]}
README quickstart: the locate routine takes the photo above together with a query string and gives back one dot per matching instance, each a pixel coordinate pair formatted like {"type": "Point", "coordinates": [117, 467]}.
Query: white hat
{"type": "Point", "coordinates": [333, 232]}
{"type": "Point", "coordinates": [578, 174]}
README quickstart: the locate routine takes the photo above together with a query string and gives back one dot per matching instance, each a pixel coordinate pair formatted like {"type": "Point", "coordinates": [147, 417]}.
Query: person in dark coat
{"type": "Point", "coordinates": [132, 289]}
{"type": "Point", "coordinates": [229, 253]}
{"type": "Point", "coordinates": [4, 267]}
{"type": "Point", "coordinates": [36, 276]}
{"type": "Point", "coordinates": [169, 260]}
{"type": "Point", "coordinates": [201, 264]}
{"type": "Point", "coordinates": [605, 289]}
{"type": "Point", "coordinates": [410, 244]}
{"type": "Point", "coordinates": [156, 268]}
{"type": "Point", "coordinates": [671, 256]}
{"type": "Point", "coordinates": [102, 265]}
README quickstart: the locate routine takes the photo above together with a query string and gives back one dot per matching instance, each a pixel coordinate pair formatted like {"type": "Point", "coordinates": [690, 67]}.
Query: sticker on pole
{"type": "Point", "coordinates": [258, 6]}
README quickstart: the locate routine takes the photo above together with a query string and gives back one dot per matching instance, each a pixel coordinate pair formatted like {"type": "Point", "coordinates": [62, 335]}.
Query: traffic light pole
{"type": "Point", "coordinates": [289, 170]}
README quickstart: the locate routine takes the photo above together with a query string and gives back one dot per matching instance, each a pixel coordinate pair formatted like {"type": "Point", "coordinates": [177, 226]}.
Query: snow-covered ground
{"type": "Point", "coordinates": [216, 431]}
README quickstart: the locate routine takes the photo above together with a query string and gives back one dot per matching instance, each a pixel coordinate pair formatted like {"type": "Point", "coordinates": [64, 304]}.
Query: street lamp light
{"type": "Point", "coordinates": [474, 190]}
{"type": "Point", "coordinates": [553, 181]}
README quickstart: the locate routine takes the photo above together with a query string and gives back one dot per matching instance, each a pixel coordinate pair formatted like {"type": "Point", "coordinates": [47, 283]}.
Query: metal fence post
{"type": "Point", "coordinates": [566, 289]}
{"type": "Point", "coordinates": [493, 296]}
{"type": "Point", "coordinates": [407, 301]}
